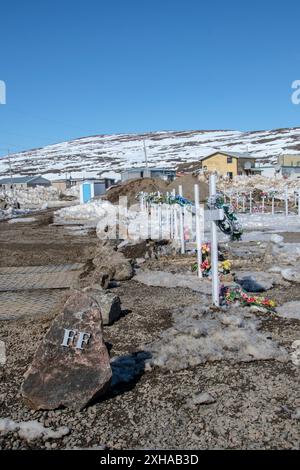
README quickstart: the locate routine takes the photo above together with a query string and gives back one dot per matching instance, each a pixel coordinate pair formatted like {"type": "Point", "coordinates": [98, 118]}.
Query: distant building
{"type": "Point", "coordinates": [165, 174]}
{"type": "Point", "coordinates": [268, 171]}
{"type": "Point", "coordinates": [92, 188]}
{"type": "Point", "coordinates": [289, 165]}
{"type": "Point", "coordinates": [101, 185]}
{"type": "Point", "coordinates": [24, 182]}
{"type": "Point", "coordinates": [229, 164]}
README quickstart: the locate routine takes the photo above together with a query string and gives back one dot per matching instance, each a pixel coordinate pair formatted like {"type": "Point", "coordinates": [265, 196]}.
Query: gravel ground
{"type": "Point", "coordinates": [255, 405]}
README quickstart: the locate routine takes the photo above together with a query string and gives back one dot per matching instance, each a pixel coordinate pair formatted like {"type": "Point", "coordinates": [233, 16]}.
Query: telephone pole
{"type": "Point", "coordinates": [145, 152]}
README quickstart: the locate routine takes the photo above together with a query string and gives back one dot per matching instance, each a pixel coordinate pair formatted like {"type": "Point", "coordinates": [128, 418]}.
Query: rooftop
{"type": "Point", "coordinates": [19, 179]}
{"type": "Point", "coordinates": [229, 154]}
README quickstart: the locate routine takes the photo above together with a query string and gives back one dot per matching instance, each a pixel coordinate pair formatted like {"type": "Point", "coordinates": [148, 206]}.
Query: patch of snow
{"type": "Point", "coordinates": [31, 430]}
{"type": "Point", "coordinates": [200, 335]}
{"type": "Point", "coordinates": [2, 353]}
{"type": "Point", "coordinates": [23, 220]}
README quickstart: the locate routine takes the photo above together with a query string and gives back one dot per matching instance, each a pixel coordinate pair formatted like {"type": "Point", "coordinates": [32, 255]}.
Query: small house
{"type": "Point", "coordinates": [24, 182]}
{"type": "Point", "coordinates": [165, 174]}
{"type": "Point", "coordinates": [289, 166]}
{"type": "Point", "coordinates": [229, 164]}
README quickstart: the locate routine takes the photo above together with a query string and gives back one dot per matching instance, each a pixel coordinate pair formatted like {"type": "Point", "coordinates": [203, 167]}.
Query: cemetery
{"type": "Point", "coordinates": [136, 322]}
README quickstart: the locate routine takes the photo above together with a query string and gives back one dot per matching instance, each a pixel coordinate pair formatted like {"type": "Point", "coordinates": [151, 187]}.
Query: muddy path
{"type": "Point", "coordinates": [41, 242]}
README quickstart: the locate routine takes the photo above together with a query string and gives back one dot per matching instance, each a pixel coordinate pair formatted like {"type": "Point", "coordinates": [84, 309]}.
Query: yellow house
{"type": "Point", "coordinates": [290, 165]}
{"type": "Point", "coordinates": [289, 160]}
{"type": "Point", "coordinates": [229, 164]}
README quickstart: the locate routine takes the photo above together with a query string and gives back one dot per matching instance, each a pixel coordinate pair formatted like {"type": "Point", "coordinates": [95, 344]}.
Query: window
{"type": "Point", "coordinates": [229, 159]}
{"type": "Point", "coordinates": [229, 174]}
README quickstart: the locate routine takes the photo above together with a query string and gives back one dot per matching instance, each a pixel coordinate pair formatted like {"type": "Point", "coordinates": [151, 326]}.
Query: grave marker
{"type": "Point", "coordinates": [71, 366]}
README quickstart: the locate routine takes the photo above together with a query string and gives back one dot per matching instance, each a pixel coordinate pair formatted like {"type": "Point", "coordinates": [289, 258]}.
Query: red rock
{"type": "Point", "coordinates": [74, 375]}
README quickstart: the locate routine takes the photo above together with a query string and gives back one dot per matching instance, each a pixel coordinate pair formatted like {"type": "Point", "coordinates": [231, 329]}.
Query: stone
{"type": "Point", "coordinates": [169, 280]}
{"type": "Point", "coordinates": [291, 274]}
{"type": "Point", "coordinates": [70, 372]}
{"type": "Point", "coordinates": [102, 278]}
{"type": "Point", "coordinates": [295, 355]}
{"type": "Point", "coordinates": [202, 398]}
{"type": "Point", "coordinates": [2, 353]}
{"type": "Point", "coordinates": [133, 249]}
{"type": "Point", "coordinates": [123, 270]}
{"type": "Point", "coordinates": [277, 239]}
{"type": "Point", "coordinates": [290, 310]}
{"type": "Point", "coordinates": [253, 281]}
{"type": "Point", "coordinates": [120, 267]}
{"type": "Point", "coordinates": [283, 255]}
{"type": "Point", "coordinates": [109, 304]}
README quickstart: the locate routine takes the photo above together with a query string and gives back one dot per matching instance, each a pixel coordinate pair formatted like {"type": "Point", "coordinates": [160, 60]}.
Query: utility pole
{"type": "Point", "coordinates": [145, 152]}
{"type": "Point", "coordinates": [11, 177]}
{"type": "Point", "coordinates": [9, 162]}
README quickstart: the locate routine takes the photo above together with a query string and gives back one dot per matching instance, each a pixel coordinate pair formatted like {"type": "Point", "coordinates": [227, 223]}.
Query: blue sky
{"type": "Point", "coordinates": [75, 68]}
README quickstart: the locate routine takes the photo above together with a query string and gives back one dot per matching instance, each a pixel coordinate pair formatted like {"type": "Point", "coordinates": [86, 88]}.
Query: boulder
{"type": "Point", "coordinates": [277, 239]}
{"type": "Point", "coordinates": [109, 304]}
{"type": "Point", "coordinates": [121, 268]}
{"type": "Point", "coordinates": [287, 254]}
{"type": "Point", "coordinates": [253, 281]}
{"type": "Point", "coordinates": [102, 277]}
{"type": "Point", "coordinates": [133, 249]}
{"type": "Point", "coordinates": [290, 310]}
{"type": "Point", "coordinates": [169, 280]}
{"type": "Point", "coordinates": [71, 366]}
{"type": "Point", "coordinates": [291, 274]}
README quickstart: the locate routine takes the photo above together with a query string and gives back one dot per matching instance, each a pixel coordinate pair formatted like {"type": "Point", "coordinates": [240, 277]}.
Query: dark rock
{"type": "Point", "coordinates": [120, 267]}
{"type": "Point", "coordinates": [255, 281]}
{"type": "Point", "coordinates": [132, 249]}
{"type": "Point", "coordinates": [109, 304]}
{"type": "Point", "coordinates": [70, 375]}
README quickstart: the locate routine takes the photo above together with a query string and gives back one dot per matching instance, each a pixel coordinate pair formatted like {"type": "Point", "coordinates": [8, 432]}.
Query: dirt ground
{"type": "Point", "coordinates": [132, 187]}
{"type": "Point", "coordinates": [41, 243]}
{"type": "Point", "coordinates": [255, 402]}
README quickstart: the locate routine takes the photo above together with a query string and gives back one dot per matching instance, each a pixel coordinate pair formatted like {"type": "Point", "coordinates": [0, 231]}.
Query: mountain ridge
{"type": "Point", "coordinates": [108, 154]}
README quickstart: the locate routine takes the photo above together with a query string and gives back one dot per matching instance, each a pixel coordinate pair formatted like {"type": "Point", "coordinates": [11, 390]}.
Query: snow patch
{"type": "Point", "coordinates": [31, 430]}
{"type": "Point", "coordinates": [200, 335]}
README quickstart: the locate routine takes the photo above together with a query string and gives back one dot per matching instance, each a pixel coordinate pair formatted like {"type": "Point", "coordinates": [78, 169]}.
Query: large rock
{"type": "Point", "coordinates": [287, 254]}
{"type": "Point", "coordinates": [169, 280]}
{"type": "Point", "coordinates": [71, 367]}
{"type": "Point", "coordinates": [133, 249]}
{"type": "Point", "coordinates": [109, 304]}
{"type": "Point", "coordinates": [291, 274]}
{"type": "Point", "coordinates": [290, 310]}
{"type": "Point", "coordinates": [120, 267]}
{"type": "Point", "coordinates": [253, 281]}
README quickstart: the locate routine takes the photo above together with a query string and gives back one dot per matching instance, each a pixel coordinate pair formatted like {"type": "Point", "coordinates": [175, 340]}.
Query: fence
{"type": "Point", "coordinates": [273, 202]}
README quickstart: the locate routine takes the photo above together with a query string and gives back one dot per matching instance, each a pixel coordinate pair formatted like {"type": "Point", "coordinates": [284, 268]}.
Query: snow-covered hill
{"type": "Point", "coordinates": [107, 155]}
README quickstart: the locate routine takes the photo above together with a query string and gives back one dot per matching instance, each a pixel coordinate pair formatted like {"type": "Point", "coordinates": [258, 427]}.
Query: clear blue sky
{"type": "Point", "coordinates": [74, 68]}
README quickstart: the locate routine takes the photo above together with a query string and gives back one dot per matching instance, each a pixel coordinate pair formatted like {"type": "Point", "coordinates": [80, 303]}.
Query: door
{"type": "Point", "coordinates": [87, 192]}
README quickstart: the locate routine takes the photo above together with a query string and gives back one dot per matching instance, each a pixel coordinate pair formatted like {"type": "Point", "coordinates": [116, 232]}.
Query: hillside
{"type": "Point", "coordinates": [107, 155]}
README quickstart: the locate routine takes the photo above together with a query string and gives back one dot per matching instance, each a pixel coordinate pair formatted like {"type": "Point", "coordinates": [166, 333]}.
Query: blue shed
{"type": "Point", "coordinates": [91, 188]}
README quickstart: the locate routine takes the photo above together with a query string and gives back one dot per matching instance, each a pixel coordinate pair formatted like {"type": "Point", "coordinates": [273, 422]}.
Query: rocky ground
{"type": "Point", "coordinates": [215, 405]}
